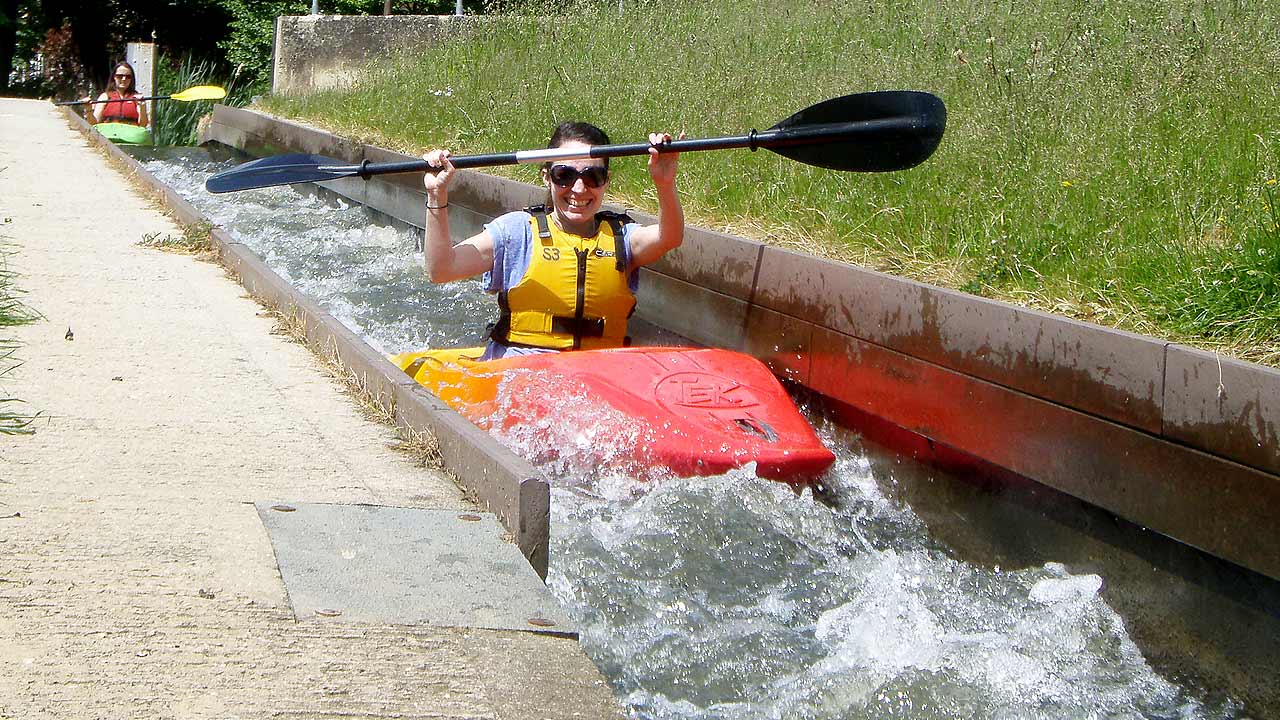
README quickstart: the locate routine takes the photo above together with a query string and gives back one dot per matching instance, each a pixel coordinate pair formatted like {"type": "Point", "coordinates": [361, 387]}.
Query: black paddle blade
{"type": "Point", "coordinates": [888, 130]}
{"type": "Point", "coordinates": [279, 170]}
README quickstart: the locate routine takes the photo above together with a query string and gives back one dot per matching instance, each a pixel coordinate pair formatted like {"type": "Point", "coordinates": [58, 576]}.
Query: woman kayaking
{"type": "Point", "coordinates": [122, 108]}
{"type": "Point", "coordinates": [566, 272]}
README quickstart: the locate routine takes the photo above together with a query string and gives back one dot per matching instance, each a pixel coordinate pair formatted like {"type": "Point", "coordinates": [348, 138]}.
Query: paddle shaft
{"type": "Point", "coordinates": [878, 131]}
{"type": "Point", "coordinates": [95, 102]}
{"type": "Point", "coordinates": [783, 137]}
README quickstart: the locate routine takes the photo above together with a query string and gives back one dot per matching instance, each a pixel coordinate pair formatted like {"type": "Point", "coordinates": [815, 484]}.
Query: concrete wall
{"type": "Point", "coordinates": [320, 52]}
{"type": "Point", "coordinates": [1178, 440]}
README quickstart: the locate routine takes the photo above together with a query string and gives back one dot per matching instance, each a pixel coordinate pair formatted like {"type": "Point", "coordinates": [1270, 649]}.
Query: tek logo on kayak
{"type": "Point", "coordinates": [704, 391]}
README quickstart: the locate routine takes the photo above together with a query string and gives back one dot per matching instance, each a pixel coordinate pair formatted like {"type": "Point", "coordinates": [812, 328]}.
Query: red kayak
{"type": "Point", "coordinates": [695, 411]}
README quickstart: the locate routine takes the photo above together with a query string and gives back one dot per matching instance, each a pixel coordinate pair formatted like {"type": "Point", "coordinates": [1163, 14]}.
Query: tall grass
{"type": "Point", "coordinates": [13, 420]}
{"type": "Point", "coordinates": [1104, 159]}
{"type": "Point", "coordinates": [176, 122]}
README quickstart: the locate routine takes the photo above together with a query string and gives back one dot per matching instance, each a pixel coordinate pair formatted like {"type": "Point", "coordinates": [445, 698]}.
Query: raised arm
{"type": "Point", "coordinates": [442, 260]}
{"type": "Point", "coordinates": [650, 242]}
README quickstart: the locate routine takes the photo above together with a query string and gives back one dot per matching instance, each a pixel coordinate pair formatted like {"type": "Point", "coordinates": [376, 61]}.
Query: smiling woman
{"type": "Point", "coordinates": [120, 103]}
{"type": "Point", "coordinates": [564, 272]}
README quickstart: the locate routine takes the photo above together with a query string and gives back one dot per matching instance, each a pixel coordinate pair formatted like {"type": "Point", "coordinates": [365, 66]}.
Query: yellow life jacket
{"type": "Point", "coordinates": [574, 295]}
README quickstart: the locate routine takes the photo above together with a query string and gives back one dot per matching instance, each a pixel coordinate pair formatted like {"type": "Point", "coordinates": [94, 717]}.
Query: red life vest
{"type": "Point", "coordinates": [120, 109]}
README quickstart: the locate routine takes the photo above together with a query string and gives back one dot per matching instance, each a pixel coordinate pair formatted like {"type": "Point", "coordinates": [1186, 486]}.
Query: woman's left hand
{"type": "Point", "coordinates": [662, 165]}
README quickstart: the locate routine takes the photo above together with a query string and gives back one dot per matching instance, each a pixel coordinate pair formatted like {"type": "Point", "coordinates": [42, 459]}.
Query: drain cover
{"type": "Point", "coordinates": [370, 564]}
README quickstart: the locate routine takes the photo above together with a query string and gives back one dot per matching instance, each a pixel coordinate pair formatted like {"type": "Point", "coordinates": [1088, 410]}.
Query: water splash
{"type": "Point", "coordinates": [731, 597]}
{"type": "Point", "coordinates": [368, 276]}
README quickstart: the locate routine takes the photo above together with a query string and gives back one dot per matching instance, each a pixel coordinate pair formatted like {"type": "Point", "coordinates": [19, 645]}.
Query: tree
{"type": "Point", "coordinates": [8, 39]}
{"type": "Point", "coordinates": [239, 31]}
{"type": "Point", "coordinates": [63, 72]}
{"type": "Point", "coordinates": [102, 29]}
{"type": "Point", "coordinates": [253, 30]}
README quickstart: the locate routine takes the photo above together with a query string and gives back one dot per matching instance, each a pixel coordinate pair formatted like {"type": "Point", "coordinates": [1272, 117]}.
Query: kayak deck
{"type": "Point", "coordinates": [124, 133]}
{"type": "Point", "coordinates": [694, 411]}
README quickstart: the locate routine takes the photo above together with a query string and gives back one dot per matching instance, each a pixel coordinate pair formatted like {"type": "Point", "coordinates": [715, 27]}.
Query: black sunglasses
{"type": "Point", "coordinates": [123, 75]}
{"type": "Point", "coordinates": [567, 175]}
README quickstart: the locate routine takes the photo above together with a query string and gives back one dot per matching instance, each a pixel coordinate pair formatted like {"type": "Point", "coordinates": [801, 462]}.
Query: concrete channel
{"type": "Point", "coordinates": [1051, 406]}
{"type": "Point", "coordinates": [1179, 440]}
{"type": "Point", "coordinates": [1069, 415]}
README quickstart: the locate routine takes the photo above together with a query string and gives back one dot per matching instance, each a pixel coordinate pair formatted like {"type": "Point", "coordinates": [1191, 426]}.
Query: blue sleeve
{"type": "Point", "coordinates": [512, 241]}
{"type": "Point", "coordinates": [633, 279]}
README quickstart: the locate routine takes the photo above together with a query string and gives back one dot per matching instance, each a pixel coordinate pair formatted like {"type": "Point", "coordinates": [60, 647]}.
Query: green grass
{"type": "Point", "coordinates": [13, 420]}
{"type": "Point", "coordinates": [1104, 159]}
{"type": "Point", "coordinates": [176, 122]}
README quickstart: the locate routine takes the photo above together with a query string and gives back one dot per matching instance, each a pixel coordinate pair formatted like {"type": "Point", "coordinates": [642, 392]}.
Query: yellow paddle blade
{"type": "Point", "coordinates": [200, 92]}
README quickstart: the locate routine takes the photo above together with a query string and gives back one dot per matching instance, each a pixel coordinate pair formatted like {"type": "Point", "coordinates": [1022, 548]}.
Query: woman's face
{"type": "Point", "coordinates": [124, 78]}
{"type": "Point", "coordinates": [575, 201]}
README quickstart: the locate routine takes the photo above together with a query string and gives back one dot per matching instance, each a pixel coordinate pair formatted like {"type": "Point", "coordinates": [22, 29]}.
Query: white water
{"type": "Point", "coordinates": [731, 596]}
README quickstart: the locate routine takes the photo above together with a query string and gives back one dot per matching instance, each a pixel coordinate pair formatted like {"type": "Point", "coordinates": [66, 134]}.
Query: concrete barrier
{"type": "Point", "coordinates": [320, 52]}
{"type": "Point", "coordinates": [1178, 440]}
{"type": "Point", "coordinates": [506, 484]}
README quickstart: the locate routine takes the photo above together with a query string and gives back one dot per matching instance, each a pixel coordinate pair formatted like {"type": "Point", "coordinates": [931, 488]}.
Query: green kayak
{"type": "Point", "coordinates": [124, 134]}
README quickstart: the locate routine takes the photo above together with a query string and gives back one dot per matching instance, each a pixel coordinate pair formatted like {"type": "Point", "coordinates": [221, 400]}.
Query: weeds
{"type": "Point", "coordinates": [194, 240]}
{"type": "Point", "coordinates": [176, 122]}
{"type": "Point", "coordinates": [13, 420]}
{"type": "Point", "coordinates": [1231, 294]}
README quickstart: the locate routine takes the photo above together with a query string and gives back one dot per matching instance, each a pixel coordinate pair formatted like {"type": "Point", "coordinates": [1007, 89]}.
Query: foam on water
{"type": "Point", "coordinates": [366, 275]}
{"type": "Point", "coordinates": [732, 596]}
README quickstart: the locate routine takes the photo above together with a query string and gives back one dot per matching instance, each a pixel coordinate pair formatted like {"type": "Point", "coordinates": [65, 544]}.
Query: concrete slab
{"type": "Point", "coordinates": [1224, 405]}
{"type": "Point", "coordinates": [721, 263]}
{"type": "Point", "coordinates": [407, 181]}
{"type": "Point", "coordinates": [507, 484]}
{"type": "Point", "coordinates": [228, 135]}
{"type": "Point", "coordinates": [266, 135]}
{"type": "Point", "coordinates": [707, 318]}
{"type": "Point", "coordinates": [1221, 507]}
{"type": "Point", "coordinates": [406, 566]}
{"type": "Point", "coordinates": [492, 196]}
{"type": "Point", "coordinates": [319, 52]}
{"type": "Point", "coordinates": [394, 199]}
{"type": "Point", "coordinates": [1106, 372]}
{"type": "Point", "coordinates": [782, 342]}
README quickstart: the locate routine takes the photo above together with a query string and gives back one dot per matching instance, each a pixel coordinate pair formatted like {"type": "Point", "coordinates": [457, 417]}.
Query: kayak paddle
{"type": "Point", "coordinates": [199, 92]}
{"type": "Point", "coordinates": [865, 132]}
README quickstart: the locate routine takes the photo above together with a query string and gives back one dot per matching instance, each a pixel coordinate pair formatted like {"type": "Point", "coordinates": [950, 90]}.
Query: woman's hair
{"type": "Point", "coordinates": [133, 82]}
{"type": "Point", "coordinates": [583, 132]}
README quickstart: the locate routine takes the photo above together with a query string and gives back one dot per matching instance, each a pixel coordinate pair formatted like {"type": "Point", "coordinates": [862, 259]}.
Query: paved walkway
{"type": "Point", "coordinates": [136, 579]}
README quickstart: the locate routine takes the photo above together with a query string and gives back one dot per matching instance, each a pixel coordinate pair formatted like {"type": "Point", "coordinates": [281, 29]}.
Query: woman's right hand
{"type": "Point", "coordinates": [437, 182]}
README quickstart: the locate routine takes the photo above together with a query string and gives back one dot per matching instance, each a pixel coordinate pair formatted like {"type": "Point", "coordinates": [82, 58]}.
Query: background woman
{"type": "Point", "coordinates": [120, 91]}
